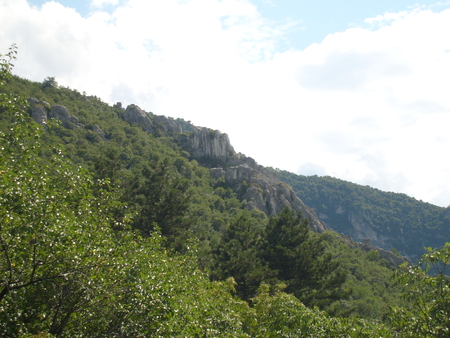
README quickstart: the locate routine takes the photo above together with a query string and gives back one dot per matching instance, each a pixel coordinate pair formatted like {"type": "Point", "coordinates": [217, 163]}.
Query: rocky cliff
{"type": "Point", "coordinates": [41, 111]}
{"type": "Point", "coordinates": [259, 187]}
{"type": "Point", "coordinates": [154, 124]}
{"type": "Point", "coordinates": [263, 190]}
{"type": "Point", "coordinates": [205, 143]}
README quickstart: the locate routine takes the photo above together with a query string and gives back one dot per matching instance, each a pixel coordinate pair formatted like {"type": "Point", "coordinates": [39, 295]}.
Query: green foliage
{"type": "Point", "coordinates": [160, 196]}
{"type": "Point", "coordinates": [412, 225]}
{"type": "Point", "coordinates": [57, 245]}
{"type": "Point", "coordinates": [49, 81]}
{"type": "Point", "coordinates": [300, 260]}
{"type": "Point", "coordinates": [427, 287]}
{"type": "Point", "coordinates": [369, 287]}
{"type": "Point", "coordinates": [283, 315]}
{"type": "Point", "coordinates": [6, 65]}
{"type": "Point", "coordinates": [239, 254]}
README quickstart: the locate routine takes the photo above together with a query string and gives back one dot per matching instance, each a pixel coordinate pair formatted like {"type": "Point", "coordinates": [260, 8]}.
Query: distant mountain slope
{"type": "Point", "coordinates": [389, 220]}
{"type": "Point", "coordinates": [191, 183]}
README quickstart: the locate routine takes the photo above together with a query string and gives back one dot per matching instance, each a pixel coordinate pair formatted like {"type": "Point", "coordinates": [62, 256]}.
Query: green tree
{"type": "Point", "coordinates": [239, 255]}
{"type": "Point", "coordinates": [427, 287]}
{"type": "Point", "coordinates": [6, 65]}
{"type": "Point", "coordinates": [160, 197]}
{"type": "Point", "coordinates": [49, 82]}
{"type": "Point", "coordinates": [279, 314]}
{"type": "Point", "coordinates": [56, 242]}
{"type": "Point", "coordinates": [300, 260]}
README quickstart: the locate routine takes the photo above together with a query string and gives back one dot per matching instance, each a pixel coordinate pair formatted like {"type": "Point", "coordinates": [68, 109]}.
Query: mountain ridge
{"type": "Point", "coordinates": [261, 188]}
{"type": "Point", "coordinates": [392, 221]}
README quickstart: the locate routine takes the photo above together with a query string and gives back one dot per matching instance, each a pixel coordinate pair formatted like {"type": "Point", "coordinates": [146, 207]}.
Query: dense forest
{"type": "Point", "coordinates": [397, 221]}
{"type": "Point", "coordinates": [107, 230]}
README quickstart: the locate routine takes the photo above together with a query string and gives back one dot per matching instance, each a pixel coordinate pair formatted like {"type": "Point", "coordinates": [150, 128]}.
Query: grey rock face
{"type": "Point", "coordinates": [38, 110]}
{"type": "Point", "coordinates": [32, 101]}
{"type": "Point", "coordinates": [361, 230]}
{"type": "Point", "coordinates": [263, 190]}
{"type": "Point", "coordinates": [39, 114]}
{"type": "Point", "coordinates": [154, 124]}
{"type": "Point", "coordinates": [99, 131]}
{"type": "Point", "coordinates": [166, 125]}
{"type": "Point", "coordinates": [62, 114]}
{"type": "Point", "coordinates": [201, 142]}
{"type": "Point", "coordinates": [135, 115]}
{"type": "Point", "coordinates": [41, 111]}
{"type": "Point", "coordinates": [205, 142]}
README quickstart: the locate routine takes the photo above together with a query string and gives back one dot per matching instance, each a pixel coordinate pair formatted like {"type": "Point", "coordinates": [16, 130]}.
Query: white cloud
{"type": "Point", "coordinates": [369, 105]}
{"type": "Point", "coordinates": [101, 3]}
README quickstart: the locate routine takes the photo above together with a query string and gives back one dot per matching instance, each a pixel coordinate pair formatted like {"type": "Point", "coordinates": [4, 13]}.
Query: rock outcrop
{"type": "Point", "coordinates": [135, 115]}
{"type": "Point", "coordinates": [362, 230]}
{"type": "Point", "coordinates": [166, 125]}
{"type": "Point", "coordinates": [41, 111]}
{"type": "Point", "coordinates": [62, 114]}
{"type": "Point", "coordinates": [263, 190]}
{"type": "Point", "coordinates": [97, 130]}
{"type": "Point", "coordinates": [259, 187]}
{"type": "Point", "coordinates": [155, 124]}
{"type": "Point", "coordinates": [38, 110]}
{"type": "Point", "coordinates": [204, 143]}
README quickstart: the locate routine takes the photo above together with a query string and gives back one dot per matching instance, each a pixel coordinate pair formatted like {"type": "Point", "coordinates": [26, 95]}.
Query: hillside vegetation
{"type": "Point", "coordinates": [390, 220]}
{"type": "Point", "coordinates": [107, 230]}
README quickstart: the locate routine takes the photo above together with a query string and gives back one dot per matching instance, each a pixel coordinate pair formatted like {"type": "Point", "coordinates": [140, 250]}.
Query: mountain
{"type": "Point", "coordinates": [259, 187]}
{"type": "Point", "coordinates": [389, 220]}
{"type": "Point", "coordinates": [165, 220]}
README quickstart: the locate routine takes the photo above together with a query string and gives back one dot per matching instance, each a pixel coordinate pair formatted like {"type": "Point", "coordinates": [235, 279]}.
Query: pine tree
{"type": "Point", "coordinates": [238, 255]}
{"type": "Point", "coordinates": [160, 197]}
{"type": "Point", "coordinates": [298, 255]}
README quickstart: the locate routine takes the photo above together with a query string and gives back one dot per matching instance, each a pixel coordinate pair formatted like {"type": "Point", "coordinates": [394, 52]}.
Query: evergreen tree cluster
{"type": "Point", "coordinates": [284, 250]}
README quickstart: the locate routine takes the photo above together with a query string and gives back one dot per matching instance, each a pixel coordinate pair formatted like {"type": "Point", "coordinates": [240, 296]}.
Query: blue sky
{"type": "Point", "coordinates": [319, 18]}
{"type": "Point", "coordinates": [314, 20]}
{"type": "Point", "coordinates": [352, 89]}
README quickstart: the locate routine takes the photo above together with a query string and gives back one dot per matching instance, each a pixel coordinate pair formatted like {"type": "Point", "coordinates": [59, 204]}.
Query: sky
{"type": "Point", "coordinates": [356, 89]}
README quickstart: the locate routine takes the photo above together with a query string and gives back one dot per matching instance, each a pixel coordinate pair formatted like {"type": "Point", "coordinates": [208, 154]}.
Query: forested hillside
{"type": "Point", "coordinates": [109, 229]}
{"type": "Point", "coordinates": [390, 220]}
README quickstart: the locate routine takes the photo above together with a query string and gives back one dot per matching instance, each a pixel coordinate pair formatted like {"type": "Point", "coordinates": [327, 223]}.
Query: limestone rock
{"type": "Point", "coordinates": [41, 111]}
{"type": "Point", "coordinates": [166, 125]}
{"type": "Point", "coordinates": [62, 114]}
{"type": "Point", "coordinates": [207, 143]}
{"type": "Point", "coordinates": [155, 124]}
{"type": "Point", "coordinates": [97, 130]}
{"type": "Point", "coordinates": [263, 190]}
{"type": "Point", "coordinates": [39, 114]}
{"type": "Point", "coordinates": [38, 110]}
{"type": "Point", "coordinates": [32, 101]}
{"type": "Point", "coordinates": [360, 229]}
{"type": "Point", "coordinates": [135, 115]}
